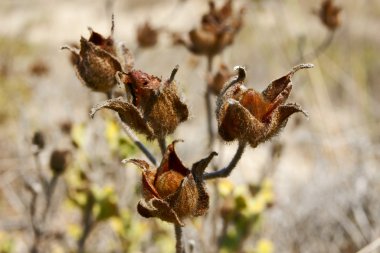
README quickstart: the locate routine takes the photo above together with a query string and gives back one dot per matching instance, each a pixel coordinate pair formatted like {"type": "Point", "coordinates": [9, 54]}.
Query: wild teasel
{"type": "Point", "coordinates": [217, 30]}
{"type": "Point", "coordinates": [249, 116]}
{"type": "Point", "coordinates": [153, 107]}
{"type": "Point", "coordinates": [173, 192]}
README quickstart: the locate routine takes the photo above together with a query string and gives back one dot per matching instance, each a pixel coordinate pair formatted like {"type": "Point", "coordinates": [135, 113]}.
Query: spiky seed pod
{"type": "Point", "coordinates": [249, 116]}
{"type": "Point", "coordinates": [173, 192]}
{"type": "Point", "coordinates": [153, 107]}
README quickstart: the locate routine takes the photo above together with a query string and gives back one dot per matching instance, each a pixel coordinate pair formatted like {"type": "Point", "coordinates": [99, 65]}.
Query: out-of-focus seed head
{"type": "Point", "coordinates": [329, 14]}
{"type": "Point", "coordinates": [38, 140]}
{"type": "Point", "coordinates": [147, 36]}
{"type": "Point", "coordinates": [216, 82]}
{"type": "Point", "coordinates": [59, 161]}
{"type": "Point", "coordinates": [217, 30]}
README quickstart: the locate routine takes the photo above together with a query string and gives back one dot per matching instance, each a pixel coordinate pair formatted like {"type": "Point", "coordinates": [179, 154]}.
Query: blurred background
{"type": "Point", "coordinates": [314, 188]}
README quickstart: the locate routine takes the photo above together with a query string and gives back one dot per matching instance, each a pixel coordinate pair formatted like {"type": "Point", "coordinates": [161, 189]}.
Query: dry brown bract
{"type": "Point", "coordinates": [254, 117]}
{"type": "Point", "coordinates": [217, 30]}
{"type": "Point", "coordinates": [96, 63]}
{"type": "Point", "coordinates": [330, 14]}
{"type": "Point", "coordinates": [172, 192]}
{"type": "Point", "coordinates": [153, 107]}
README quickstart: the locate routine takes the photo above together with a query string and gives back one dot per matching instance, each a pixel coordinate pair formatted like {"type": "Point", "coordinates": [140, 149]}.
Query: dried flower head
{"type": "Point", "coordinates": [59, 161]}
{"type": "Point", "coordinates": [96, 62]}
{"type": "Point", "coordinates": [217, 30]}
{"type": "Point", "coordinates": [38, 140]}
{"type": "Point", "coordinates": [147, 36]}
{"type": "Point", "coordinates": [329, 14]}
{"type": "Point", "coordinates": [216, 82]}
{"type": "Point", "coordinates": [153, 107]}
{"type": "Point", "coordinates": [251, 116]}
{"type": "Point", "coordinates": [173, 192]}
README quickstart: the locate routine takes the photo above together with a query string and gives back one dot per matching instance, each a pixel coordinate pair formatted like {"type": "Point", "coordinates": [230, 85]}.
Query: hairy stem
{"type": "Point", "coordinates": [162, 144]}
{"type": "Point", "coordinates": [225, 172]}
{"type": "Point", "coordinates": [179, 248]}
{"type": "Point", "coordinates": [136, 141]}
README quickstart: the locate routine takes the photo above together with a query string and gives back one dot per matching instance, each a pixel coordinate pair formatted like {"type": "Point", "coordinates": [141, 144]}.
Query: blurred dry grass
{"type": "Point", "coordinates": [327, 178]}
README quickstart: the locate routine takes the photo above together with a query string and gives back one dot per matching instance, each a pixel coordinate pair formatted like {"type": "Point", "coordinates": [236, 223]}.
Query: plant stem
{"type": "Point", "coordinates": [225, 172]}
{"type": "Point", "coordinates": [208, 105]}
{"type": "Point", "coordinates": [87, 222]}
{"type": "Point", "coordinates": [320, 49]}
{"type": "Point", "coordinates": [136, 141]}
{"type": "Point", "coordinates": [162, 144]}
{"type": "Point", "coordinates": [178, 237]}
{"type": "Point", "coordinates": [51, 188]}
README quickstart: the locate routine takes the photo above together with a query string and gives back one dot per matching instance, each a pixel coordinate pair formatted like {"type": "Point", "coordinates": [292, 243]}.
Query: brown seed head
{"type": "Point", "coordinates": [172, 192]}
{"type": "Point", "coordinates": [329, 14]}
{"type": "Point", "coordinates": [59, 161]}
{"type": "Point", "coordinates": [216, 82]}
{"type": "Point", "coordinates": [217, 30]}
{"type": "Point", "coordinates": [153, 108]}
{"type": "Point", "coordinates": [147, 36]}
{"type": "Point", "coordinates": [247, 115]}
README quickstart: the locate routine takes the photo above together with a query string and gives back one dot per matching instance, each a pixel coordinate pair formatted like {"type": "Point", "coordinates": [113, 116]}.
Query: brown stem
{"type": "Point", "coordinates": [87, 222]}
{"type": "Point", "coordinates": [225, 172]}
{"type": "Point", "coordinates": [162, 144]}
{"type": "Point", "coordinates": [136, 141]}
{"type": "Point", "coordinates": [179, 248]}
{"type": "Point", "coordinates": [320, 49]}
{"type": "Point", "coordinates": [211, 137]}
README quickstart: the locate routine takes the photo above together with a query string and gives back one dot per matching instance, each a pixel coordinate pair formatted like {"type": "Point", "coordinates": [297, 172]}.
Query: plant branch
{"type": "Point", "coordinates": [225, 172]}
{"type": "Point", "coordinates": [136, 141]}
{"type": "Point", "coordinates": [178, 237]}
{"type": "Point", "coordinates": [162, 144]}
{"type": "Point", "coordinates": [320, 49]}
{"type": "Point", "coordinates": [211, 137]}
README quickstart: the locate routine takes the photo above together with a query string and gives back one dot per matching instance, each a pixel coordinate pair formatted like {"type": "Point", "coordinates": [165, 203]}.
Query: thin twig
{"type": "Point", "coordinates": [320, 49]}
{"type": "Point", "coordinates": [178, 237]}
{"type": "Point", "coordinates": [225, 172]}
{"type": "Point", "coordinates": [50, 190]}
{"type": "Point", "coordinates": [136, 141]}
{"type": "Point", "coordinates": [87, 222]}
{"type": "Point", "coordinates": [211, 137]}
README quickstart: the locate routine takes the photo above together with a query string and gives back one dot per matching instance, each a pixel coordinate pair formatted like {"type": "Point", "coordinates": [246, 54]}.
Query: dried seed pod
{"type": "Point", "coordinates": [153, 108]}
{"type": "Point", "coordinates": [329, 14]}
{"type": "Point", "coordinates": [96, 61]}
{"type": "Point", "coordinates": [217, 30]}
{"type": "Point", "coordinates": [38, 140]}
{"type": "Point", "coordinates": [172, 192]}
{"type": "Point", "coordinates": [147, 36]}
{"type": "Point", "coordinates": [215, 84]}
{"type": "Point", "coordinates": [59, 161]}
{"type": "Point", "coordinates": [249, 116]}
